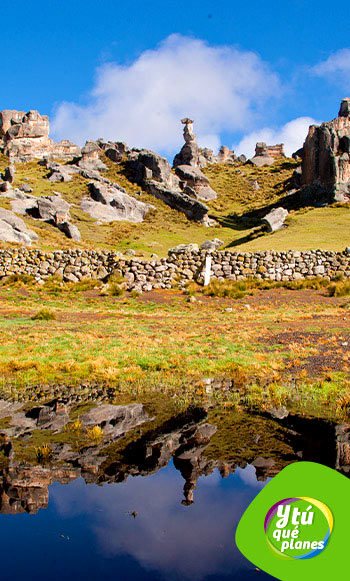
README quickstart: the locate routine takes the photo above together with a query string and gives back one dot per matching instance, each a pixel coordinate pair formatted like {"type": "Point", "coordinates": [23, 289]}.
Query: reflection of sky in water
{"type": "Point", "coordinates": [166, 540]}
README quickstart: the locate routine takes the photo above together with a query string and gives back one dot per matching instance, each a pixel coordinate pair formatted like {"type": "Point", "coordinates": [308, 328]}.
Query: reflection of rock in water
{"type": "Point", "coordinates": [184, 438]}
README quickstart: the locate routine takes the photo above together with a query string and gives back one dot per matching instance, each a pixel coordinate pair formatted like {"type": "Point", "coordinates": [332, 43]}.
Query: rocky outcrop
{"type": "Point", "coordinates": [153, 173]}
{"type": "Point", "coordinates": [326, 159]}
{"type": "Point", "coordinates": [25, 136]}
{"type": "Point", "coordinates": [195, 183]}
{"type": "Point", "coordinates": [52, 209]}
{"type": "Point", "coordinates": [274, 220]}
{"type": "Point", "coordinates": [111, 202]}
{"type": "Point", "coordinates": [274, 151]}
{"type": "Point", "coordinates": [13, 229]}
{"type": "Point", "coordinates": [60, 172]}
{"type": "Point", "coordinates": [266, 154]}
{"type": "Point", "coordinates": [90, 159]}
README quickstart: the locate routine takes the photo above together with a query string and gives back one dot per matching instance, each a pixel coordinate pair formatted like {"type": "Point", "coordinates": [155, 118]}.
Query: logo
{"type": "Point", "coordinates": [298, 528]}
{"type": "Point", "coordinates": [310, 520]}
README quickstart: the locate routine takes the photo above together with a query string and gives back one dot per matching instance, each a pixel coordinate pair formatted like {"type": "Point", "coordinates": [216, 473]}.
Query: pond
{"type": "Point", "coordinates": [137, 491]}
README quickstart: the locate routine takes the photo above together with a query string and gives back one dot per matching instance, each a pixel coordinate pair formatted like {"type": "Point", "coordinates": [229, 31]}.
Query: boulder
{"type": "Point", "coordinates": [22, 203]}
{"type": "Point", "coordinates": [211, 244]}
{"type": "Point", "coordinates": [261, 160]}
{"type": "Point", "coordinates": [53, 208]}
{"type": "Point", "coordinates": [91, 174]}
{"type": "Point", "coordinates": [90, 159]}
{"type": "Point", "coordinates": [113, 203]}
{"type": "Point", "coordinates": [274, 220]}
{"type": "Point", "coordinates": [192, 208]}
{"type": "Point", "coordinates": [182, 248]}
{"type": "Point", "coordinates": [190, 153]}
{"type": "Point", "coordinates": [9, 174]}
{"type": "Point", "coordinates": [274, 151]}
{"type": "Point", "coordinates": [61, 173]}
{"type": "Point", "coordinates": [70, 230]}
{"type": "Point", "coordinates": [26, 188]}
{"type": "Point", "coordinates": [5, 186]}
{"type": "Point", "coordinates": [195, 179]}
{"type": "Point", "coordinates": [13, 229]}
{"type": "Point", "coordinates": [146, 164]}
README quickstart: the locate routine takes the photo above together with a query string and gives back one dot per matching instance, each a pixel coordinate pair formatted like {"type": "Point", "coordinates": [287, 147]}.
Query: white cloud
{"type": "Point", "coordinates": [223, 88]}
{"type": "Point", "coordinates": [292, 134]}
{"type": "Point", "coordinates": [336, 67]}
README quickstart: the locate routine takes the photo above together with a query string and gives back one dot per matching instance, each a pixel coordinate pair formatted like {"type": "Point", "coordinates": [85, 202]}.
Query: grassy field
{"type": "Point", "coordinates": [237, 210]}
{"type": "Point", "coordinates": [275, 345]}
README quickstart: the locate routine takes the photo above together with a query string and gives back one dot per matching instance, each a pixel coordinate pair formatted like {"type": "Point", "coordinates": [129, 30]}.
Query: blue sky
{"type": "Point", "coordinates": [243, 70]}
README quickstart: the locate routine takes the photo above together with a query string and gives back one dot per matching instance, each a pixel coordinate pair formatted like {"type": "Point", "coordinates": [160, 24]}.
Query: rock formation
{"type": "Point", "coordinates": [266, 154]}
{"type": "Point", "coordinates": [153, 173]}
{"type": "Point", "coordinates": [326, 159]}
{"type": "Point", "coordinates": [189, 154]}
{"type": "Point", "coordinates": [192, 154]}
{"type": "Point", "coordinates": [25, 136]}
{"type": "Point", "coordinates": [13, 229]}
{"type": "Point", "coordinates": [195, 183]}
{"type": "Point", "coordinates": [274, 151]}
{"type": "Point", "coordinates": [110, 202]}
{"type": "Point", "coordinates": [52, 209]}
{"type": "Point", "coordinates": [90, 159]}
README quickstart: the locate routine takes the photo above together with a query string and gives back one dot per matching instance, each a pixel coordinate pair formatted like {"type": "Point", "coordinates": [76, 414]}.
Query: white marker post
{"type": "Point", "coordinates": [207, 269]}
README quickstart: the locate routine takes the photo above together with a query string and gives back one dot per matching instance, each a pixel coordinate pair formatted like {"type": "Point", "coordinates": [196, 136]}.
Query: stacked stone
{"type": "Point", "coordinates": [178, 268]}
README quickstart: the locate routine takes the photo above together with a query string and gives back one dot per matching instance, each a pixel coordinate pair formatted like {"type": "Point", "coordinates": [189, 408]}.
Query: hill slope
{"type": "Point", "coordinates": [245, 194]}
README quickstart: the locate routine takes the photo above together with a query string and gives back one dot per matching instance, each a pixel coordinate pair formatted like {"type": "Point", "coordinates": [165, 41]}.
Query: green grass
{"type": "Point", "coordinates": [131, 344]}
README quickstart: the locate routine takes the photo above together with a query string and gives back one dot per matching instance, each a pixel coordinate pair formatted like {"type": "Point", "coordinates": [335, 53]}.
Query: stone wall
{"type": "Point", "coordinates": [177, 268]}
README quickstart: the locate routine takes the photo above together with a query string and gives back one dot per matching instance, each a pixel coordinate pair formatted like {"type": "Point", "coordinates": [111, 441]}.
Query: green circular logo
{"type": "Point", "coordinates": [298, 528]}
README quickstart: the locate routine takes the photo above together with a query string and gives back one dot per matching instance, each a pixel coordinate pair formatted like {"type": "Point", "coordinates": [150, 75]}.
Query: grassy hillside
{"type": "Point", "coordinates": [237, 210]}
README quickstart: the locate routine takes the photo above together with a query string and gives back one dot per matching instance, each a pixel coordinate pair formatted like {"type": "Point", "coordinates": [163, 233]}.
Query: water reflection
{"type": "Point", "coordinates": [157, 497]}
{"type": "Point", "coordinates": [89, 531]}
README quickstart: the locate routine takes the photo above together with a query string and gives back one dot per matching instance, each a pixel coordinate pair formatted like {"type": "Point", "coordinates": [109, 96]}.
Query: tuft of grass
{"type": "Point", "coordinates": [44, 315]}
{"type": "Point", "coordinates": [339, 289]}
{"type": "Point", "coordinates": [343, 404]}
{"type": "Point", "coordinates": [238, 289]}
{"type": "Point", "coordinates": [75, 426]}
{"type": "Point", "coordinates": [44, 453]}
{"type": "Point", "coordinates": [95, 433]}
{"type": "Point", "coordinates": [13, 279]}
{"type": "Point", "coordinates": [117, 285]}
{"type": "Point", "coordinates": [226, 289]}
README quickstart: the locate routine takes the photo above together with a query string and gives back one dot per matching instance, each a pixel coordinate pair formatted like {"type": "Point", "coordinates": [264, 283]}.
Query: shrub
{"type": "Point", "coordinates": [44, 315]}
